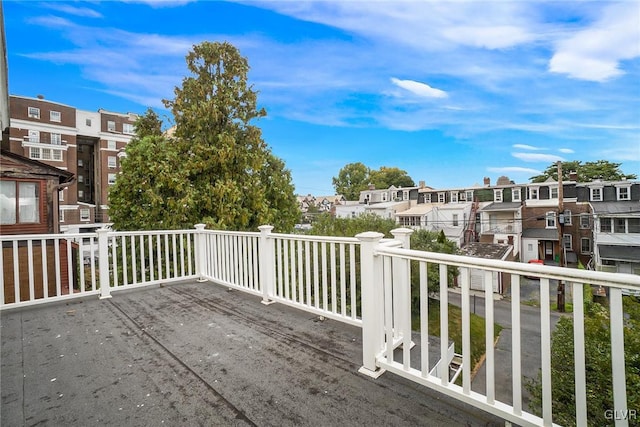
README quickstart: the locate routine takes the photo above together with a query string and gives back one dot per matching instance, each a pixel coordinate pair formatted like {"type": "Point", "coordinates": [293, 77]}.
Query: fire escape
{"type": "Point", "coordinates": [470, 234]}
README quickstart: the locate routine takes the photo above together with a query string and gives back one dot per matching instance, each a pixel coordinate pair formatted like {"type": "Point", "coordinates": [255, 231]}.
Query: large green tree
{"type": "Point", "coordinates": [355, 177]}
{"type": "Point", "coordinates": [216, 167]}
{"type": "Point", "coordinates": [589, 171]}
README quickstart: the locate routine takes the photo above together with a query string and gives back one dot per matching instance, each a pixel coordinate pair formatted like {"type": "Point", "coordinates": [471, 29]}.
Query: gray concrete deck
{"type": "Point", "coordinates": [198, 354]}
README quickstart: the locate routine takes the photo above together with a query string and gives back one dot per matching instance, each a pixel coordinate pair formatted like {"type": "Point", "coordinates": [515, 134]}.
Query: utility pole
{"type": "Point", "coordinates": [561, 219]}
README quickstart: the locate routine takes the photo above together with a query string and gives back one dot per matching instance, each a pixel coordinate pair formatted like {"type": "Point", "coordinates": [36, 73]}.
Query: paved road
{"type": "Point", "coordinates": [530, 338]}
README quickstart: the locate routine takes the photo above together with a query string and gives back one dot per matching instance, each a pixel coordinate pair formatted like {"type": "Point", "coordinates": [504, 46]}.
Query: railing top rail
{"type": "Point", "coordinates": [232, 233]}
{"type": "Point", "coordinates": [49, 236]}
{"type": "Point", "coordinates": [617, 280]}
{"type": "Point", "coordinates": [151, 232]}
{"type": "Point", "coordinates": [311, 238]}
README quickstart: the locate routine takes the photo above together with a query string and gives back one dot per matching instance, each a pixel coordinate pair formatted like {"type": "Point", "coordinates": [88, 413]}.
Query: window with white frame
{"type": "Point", "coordinates": [34, 136]}
{"type": "Point", "coordinates": [497, 195]}
{"type": "Point", "coordinates": [46, 154]}
{"type": "Point", "coordinates": [111, 145]}
{"type": "Point", "coordinates": [554, 192]}
{"type": "Point", "coordinates": [469, 196]}
{"type": "Point", "coordinates": [84, 214]}
{"type": "Point", "coordinates": [61, 215]}
{"type": "Point", "coordinates": [455, 220]}
{"type": "Point", "coordinates": [585, 220]}
{"type": "Point", "coordinates": [624, 193]}
{"type": "Point", "coordinates": [441, 197]}
{"type": "Point", "coordinates": [56, 155]}
{"type": "Point", "coordinates": [533, 193]}
{"type": "Point", "coordinates": [596, 194]}
{"type": "Point", "coordinates": [128, 128]}
{"type": "Point", "coordinates": [405, 195]}
{"type": "Point", "coordinates": [80, 194]}
{"type": "Point", "coordinates": [80, 162]}
{"type": "Point", "coordinates": [111, 178]}
{"type": "Point", "coordinates": [55, 116]}
{"type": "Point", "coordinates": [38, 153]}
{"type": "Point", "coordinates": [454, 197]}
{"type": "Point", "coordinates": [81, 178]}
{"type": "Point", "coordinates": [427, 198]}
{"type": "Point", "coordinates": [515, 194]}
{"type": "Point", "coordinates": [606, 225]}
{"type": "Point", "coordinates": [384, 197]}
{"type": "Point", "coordinates": [111, 126]}
{"type": "Point", "coordinates": [551, 220]}
{"type": "Point", "coordinates": [585, 245]}
{"type": "Point", "coordinates": [111, 162]}
{"type": "Point", "coordinates": [56, 139]}
{"type": "Point", "coordinates": [567, 241]}
{"type": "Point", "coordinates": [33, 113]}
{"type": "Point", "coordinates": [463, 197]}
{"type": "Point", "coordinates": [34, 153]}
{"type": "Point", "coordinates": [20, 202]}
{"type": "Point", "coordinates": [619, 225]}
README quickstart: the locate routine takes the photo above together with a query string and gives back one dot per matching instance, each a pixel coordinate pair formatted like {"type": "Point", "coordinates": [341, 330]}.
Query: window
{"type": "Point", "coordinates": [34, 153]}
{"type": "Point", "coordinates": [61, 214]}
{"type": "Point", "coordinates": [567, 241]}
{"type": "Point", "coordinates": [533, 193]}
{"type": "Point", "coordinates": [128, 128]}
{"type": "Point", "coordinates": [46, 154]}
{"type": "Point", "coordinates": [515, 194]}
{"type": "Point", "coordinates": [619, 225]}
{"type": "Point", "coordinates": [623, 193]}
{"type": "Point", "coordinates": [405, 195]}
{"type": "Point", "coordinates": [469, 196]}
{"type": "Point", "coordinates": [551, 219]}
{"type": "Point", "coordinates": [34, 113]}
{"type": "Point", "coordinates": [454, 197]}
{"type": "Point", "coordinates": [111, 126]}
{"type": "Point", "coordinates": [596, 194]}
{"type": "Point", "coordinates": [80, 162]}
{"type": "Point", "coordinates": [55, 116]}
{"type": "Point", "coordinates": [585, 220]}
{"type": "Point", "coordinates": [34, 136]}
{"type": "Point", "coordinates": [554, 192]}
{"type": "Point", "coordinates": [111, 162]}
{"type": "Point", "coordinates": [384, 197]}
{"type": "Point", "coordinates": [84, 214]}
{"type": "Point", "coordinates": [497, 195]}
{"type": "Point", "coordinates": [634, 225]}
{"type": "Point", "coordinates": [38, 153]}
{"type": "Point", "coordinates": [455, 220]}
{"type": "Point", "coordinates": [56, 139]}
{"type": "Point", "coordinates": [427, 198]}
{"type": "Point", "coordinates": [111, 145]}
{"type": "Point", "coordinates": [585, 245]}
{"type": "Point", "coordinates": [441, 197]}
{"type": "Point", "coordinates": [56, 155]}
{"type": "Point", "coordinates": [87, 122]}
{"type": "Point", "coordinates": [80, 194]}
{"type": "Point", "coordinates": [566, 217]}
{"type": "Point", "coordinates": [112, 178]}
{"type": "Point", "coordinates": [80, 178]}
{"type": "Point", "coordinates": [20, 202]}
{"type": "Point", "coordinates": [605, 225]}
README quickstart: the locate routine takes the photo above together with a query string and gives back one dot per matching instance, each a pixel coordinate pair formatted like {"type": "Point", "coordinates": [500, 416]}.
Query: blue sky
{"type": "Point", "coordinates": [451, 92]}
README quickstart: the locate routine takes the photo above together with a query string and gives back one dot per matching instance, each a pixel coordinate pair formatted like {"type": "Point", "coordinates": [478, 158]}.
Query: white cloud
{"type": "Point", "coordinates": [536, 157]}
{"type": "Point", "coordinates": [73, 10]}
{"type": "Point", "coordinates": [595, 53]}
{"type": "Point", "coordinates": [566, 150]}
{"type": "Point", "coordinates": [420, 89]}
{"type": "Point", "coordinates": [512, 169]}
{"type": "Point", "coordinates": [489, 37]}
{"type": "Point", "coordinates": [526, 147]}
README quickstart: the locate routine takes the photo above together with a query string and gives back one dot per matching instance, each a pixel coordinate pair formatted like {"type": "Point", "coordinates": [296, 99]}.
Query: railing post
{"type": "Point", "coordinates": [201, 252]}
{"type": "Point", "coordinates": [103, 263]}
{"type": "Point", "coordinates": [402, 289]}
{"type": "Point", "coordinates": [372, 303]}
{"type": "Point", "coordinates": [265, 258]}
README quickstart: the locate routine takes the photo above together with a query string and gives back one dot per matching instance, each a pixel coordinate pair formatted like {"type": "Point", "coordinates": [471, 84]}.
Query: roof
{"type": "Point", "coordinates": [199, 354]}
{"type": "Point", "coordinates": [419, 209]}
{"type": "Point", "coordinates": [384, 205]}
{"type": "Point", "coordinates": [502, 206]}
{"type": "Point", "coordinates": [617, 207]}
{"type": "Point", "coordinates": [540, 233]}
{"type": "Point", "coordinates": [620, 253]}
{"type": "Point", "coordinates": [15, 165]}
{"type": "Point", "coordinates": [487, 250]}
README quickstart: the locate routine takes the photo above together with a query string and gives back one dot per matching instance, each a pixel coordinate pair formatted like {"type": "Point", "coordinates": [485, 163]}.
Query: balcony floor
{"type": "Point", "coordinates": [198, 354]}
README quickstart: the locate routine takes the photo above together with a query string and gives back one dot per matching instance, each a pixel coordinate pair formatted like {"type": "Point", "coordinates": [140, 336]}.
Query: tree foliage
{"type": "Point", "coordinates": [589, 171]}
{"type": "Point", "coordinates": [598, 365]}
{"type": "Point", "coordinates": [355, 177]}
{"type": "Point", "coordinates": [216, 169]}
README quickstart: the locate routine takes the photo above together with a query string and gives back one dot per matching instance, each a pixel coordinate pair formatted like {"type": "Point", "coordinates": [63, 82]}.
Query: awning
{"type": "Point", "coordinates": [540, 234]}
{"type": "Point", "coordinates": [620, 253]}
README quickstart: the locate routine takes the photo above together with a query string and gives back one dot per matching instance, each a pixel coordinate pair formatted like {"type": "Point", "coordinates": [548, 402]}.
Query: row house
{"type": "Point", "coordinates": [87, 144]}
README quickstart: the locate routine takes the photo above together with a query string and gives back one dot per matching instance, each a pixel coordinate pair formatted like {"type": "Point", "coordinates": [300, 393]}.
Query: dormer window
{"type": "Point", "coordinates": [596, 194]}
{"type": "Point", "coordinates": [515, 194]}
{"type": "Point", "coordinates": [497, 195]}
{"type": "Point", "coordinates": [533, 193]}
{"type": "Point", "coordinates": [441, 197]}
{"type": "Point", "coordinates": [554, 192]}
{"type": "Point", "coordinates": [454, 197]}
{"type": "Point", "coordinates": [624, 192]}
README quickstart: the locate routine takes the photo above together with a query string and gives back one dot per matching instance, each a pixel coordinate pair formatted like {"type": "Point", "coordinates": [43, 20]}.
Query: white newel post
{"type": "Point", "coordinates": [402, 289]}
{"type": "Point", "coordinates": [372, 302]}
{"type": "Point", "coordinates": [103, 263]}
{"type": "Point", "coordinates": [201, 252]}
{"type": "Point", "coordinates": [266, 267]}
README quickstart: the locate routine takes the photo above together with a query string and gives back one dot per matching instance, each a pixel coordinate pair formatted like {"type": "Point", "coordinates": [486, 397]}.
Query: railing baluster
{"type": "Point", "coordinates": [16, 273]}
{"type": "Point", "coordinates": [167, 260]}
{"type": "Point", "coordinates": [316, 276]}
{"type": "Point", "coordinates": [31, 269]}
{"type": "Point", "coordinates": [245, 261]}
{"type": "Point", "coordinates": [489, 332]}
{"type": "Point", "coordinates": [325, 290]}
{"type": "Point", "coordinates": [134, 269]}
{"type": "Point", "coordinates": [516, 362]}
{"type": "Point", "coordinates": [182, 237]}
{"type": "Point", "coordinates": [56, 253]}
{"type": "Point", "coordinates": [2, 300]}
{"type": "Point", "coordinates": [143, 263]}
{"type": "Point", "coordinates": [579, 355]}
{"type": "Point", "coordinates": [443, 367]}
{"type": "Point", "coordinates": [114, 262]}
{"type": "Point", "coordinates": [190, 236]}
{"type": "Point", "coordinates": [44, 269]}
{"type": "Point", "coordinates": [159, 255]}
{"type": "Point", "coordinates": [151, 266]}
{"type": "Point", "coordinates": [307, 271]}
{"type": "Point", "coordinates": [125, 264]}
{"type": "Point", "coordinates": [545, 330]}
{"type": "Point", "coordinates": [343, 282]}
{"type": "Point", "coordinates": [332, 254]}
{"type": "Point", "coordinates": [299, 251]}
{"type": "Point", "coordinates": [424, 319]}
{"type": "Point", "coordinates": [292, 269]}
{"type": "Point", "coordinates": [92, 245]}
{"type": "Point", "coordinates": [388, 308]}
{"type": "Point", "coordinates": [617, 358]}
{"type": "Point", "coordinates": [279, 254]}
{"type": "Point", "coordinates": [67, 244]}
{"type": "Point", "coordinates": [174, 253]}
{"type": "Point", "coordinates": [353, 283]}
{"type": "Point", "coordinates": [285, 266]}
{"type": "Point", "coordinates": [465, 274]}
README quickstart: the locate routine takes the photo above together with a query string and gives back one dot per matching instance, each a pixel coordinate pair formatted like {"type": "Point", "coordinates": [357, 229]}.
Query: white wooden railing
{"type": "Point", "coordinates": [363, 281]}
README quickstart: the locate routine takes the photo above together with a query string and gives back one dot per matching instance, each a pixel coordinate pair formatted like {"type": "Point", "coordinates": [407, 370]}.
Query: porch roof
{"type": "Point", "coordinates": [540, 233]}
{"type": "Point", "coordinates": [620, 253]}
{"type": "Point", "coordinates": [199, 354]}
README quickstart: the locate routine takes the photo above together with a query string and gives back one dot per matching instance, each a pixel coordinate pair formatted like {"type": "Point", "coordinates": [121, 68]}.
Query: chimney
{"type": "Point", "coordinates": [421, 184]}
{"type": "Point", "coordinates": [487, 181]}
{"type": "Point", "coordinates": [573, 176]}
{"type": "Point", "coordinates": [371, 186]}
{"type": "Point", "coordinates": [40, 97]}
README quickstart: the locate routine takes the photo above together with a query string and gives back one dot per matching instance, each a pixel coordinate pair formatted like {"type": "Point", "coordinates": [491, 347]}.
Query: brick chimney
{"type": "Point", "coordinates": [573, 176]}
{"type": "Point", "coordinates": [421, 184]}
{"type": "Point", "coordinates": [371, 186]}
{"type": "Point", "coordinates": [487, 181]}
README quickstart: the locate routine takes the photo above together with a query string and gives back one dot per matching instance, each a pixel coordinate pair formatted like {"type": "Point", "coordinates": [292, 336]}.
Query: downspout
{"type": "Point", "coordinates": [56, 204]}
